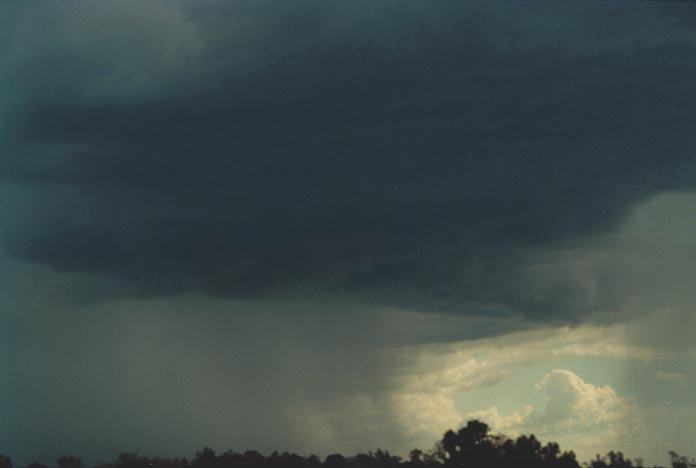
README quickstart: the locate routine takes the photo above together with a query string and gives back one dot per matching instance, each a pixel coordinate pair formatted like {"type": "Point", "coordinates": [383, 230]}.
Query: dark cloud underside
{"type": "Point", "coordinates": [407, 160]}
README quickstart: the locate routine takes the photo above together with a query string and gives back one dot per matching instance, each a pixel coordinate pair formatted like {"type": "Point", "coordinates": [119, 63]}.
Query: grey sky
{"type": "Point", "coordinates": [245, 211]}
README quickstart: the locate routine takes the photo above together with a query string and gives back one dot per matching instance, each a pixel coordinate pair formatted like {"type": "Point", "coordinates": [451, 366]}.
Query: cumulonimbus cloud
{"type": "Point", "coordinates": [220, 159]}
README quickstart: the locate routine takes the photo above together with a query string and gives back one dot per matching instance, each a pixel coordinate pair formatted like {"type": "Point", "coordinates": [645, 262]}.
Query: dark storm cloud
{"type": "Point", "coordinates": [393, 153]}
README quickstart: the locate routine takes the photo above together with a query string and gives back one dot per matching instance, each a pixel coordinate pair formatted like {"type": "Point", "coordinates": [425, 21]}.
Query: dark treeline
{"type": "Point", "coordinates": [473, 446]}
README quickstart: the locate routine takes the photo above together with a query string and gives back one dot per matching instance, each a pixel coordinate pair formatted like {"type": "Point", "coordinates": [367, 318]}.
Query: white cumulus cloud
{"type": "Point", "coordinates": [579, 414]}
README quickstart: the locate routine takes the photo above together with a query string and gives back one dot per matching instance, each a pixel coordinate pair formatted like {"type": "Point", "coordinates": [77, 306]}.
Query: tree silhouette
{"type": "Point", "coordinates": [205, 458]}
{"type": "Point", "coordinates": [472, 446]}
{"type": "Point", "coordinates": [335, 460]}
{"type": "Point", "coordinates": [611, 460]}
{"type": "Point", "coordinates": [68, 461]}
{"type": "Point", "coordinates": [36, 465]}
